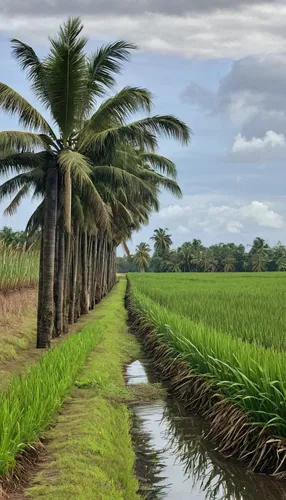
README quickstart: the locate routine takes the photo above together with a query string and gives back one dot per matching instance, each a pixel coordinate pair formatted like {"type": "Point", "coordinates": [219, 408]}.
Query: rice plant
{"type": "Point", "coordinates": [229, 329]}
{"type": "Point", "coordinates": [18, 268]}
{"type": "Point", "coordinates": [31, 401]}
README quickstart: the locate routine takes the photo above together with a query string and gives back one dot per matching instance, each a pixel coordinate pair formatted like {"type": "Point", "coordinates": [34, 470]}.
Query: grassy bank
{"type": "Point", "coordinates": [89, 451]}
{"type": "Point", "coordinates": [244, 374]}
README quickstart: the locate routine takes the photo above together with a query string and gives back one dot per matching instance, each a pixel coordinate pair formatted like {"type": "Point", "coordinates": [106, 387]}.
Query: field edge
{"type": "Point", "coordinates": [231, 429]}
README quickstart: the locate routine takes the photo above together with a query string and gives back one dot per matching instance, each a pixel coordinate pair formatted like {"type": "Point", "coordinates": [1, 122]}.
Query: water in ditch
{"type": "Point", "coordinates": [176, 462]}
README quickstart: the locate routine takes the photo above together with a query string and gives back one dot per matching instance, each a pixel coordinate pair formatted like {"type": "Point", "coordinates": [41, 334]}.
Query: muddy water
{"type": "Point", "coordinates": [176, 462]}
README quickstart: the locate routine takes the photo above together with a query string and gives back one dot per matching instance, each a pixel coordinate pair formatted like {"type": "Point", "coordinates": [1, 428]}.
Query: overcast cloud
{"type": "Point", "coordinates": [201, 29]}
{"type": "Point", "coordinates": [126, 7]}
{"type": "Point", "coordinates": [221, 66]}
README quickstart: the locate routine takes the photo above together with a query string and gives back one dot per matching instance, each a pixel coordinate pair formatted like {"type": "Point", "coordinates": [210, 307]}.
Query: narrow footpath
{"type": "Point", "coordinates": [88, 451]}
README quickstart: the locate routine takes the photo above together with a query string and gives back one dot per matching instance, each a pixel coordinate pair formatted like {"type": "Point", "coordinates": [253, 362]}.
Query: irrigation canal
{"type": "Point", "coordinates": [176, 462]}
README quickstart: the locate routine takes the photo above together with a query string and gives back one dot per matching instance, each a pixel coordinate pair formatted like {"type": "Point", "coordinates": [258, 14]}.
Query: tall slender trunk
{"type": "Point", "coordinates": [90, 268]}
{"type": "Point", "coordinates": [99, 266]}
{"type": "Point", "coordinates": [84, 289]}
{"type": "Point", "coordinates": [66, 281]}
{"type": "Point", "coordinates": [94, 272]}
{"type": "Point", "coordinates": [46, 279]}
{"type": "Point", "coordinates": [40, 284]}
{"type": "Point", "coordinates": [59, 282]}
{"type": "Point", "coordinates": [74, 276]}
{"type": "Point", "coordinates": [79, 279]}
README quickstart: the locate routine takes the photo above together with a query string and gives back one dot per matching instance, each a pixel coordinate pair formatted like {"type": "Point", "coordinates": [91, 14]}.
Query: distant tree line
{"type": "Point", "coordinates": [19, 240]}
{"type": "Point", "coordinates": [193, 256]}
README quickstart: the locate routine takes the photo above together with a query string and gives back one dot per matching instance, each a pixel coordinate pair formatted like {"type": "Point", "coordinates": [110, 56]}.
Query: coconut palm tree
{"type": "Point", "coordinates": [162, 241]}
{"type": "Point", "coordinates": [67, 83]}
{"type": "Point", "coordinates": [142, 256]}
{"type": "Point", "coordinates": [208, 261]}
{"type": "Point", "coordinates": [173, 262]}
{"type": "Point", "coordinates": [259, 260]}
{"type": "Point", "coordinates": [185, 255]}
{"type": "Point", "coordinates": [228, 261]}
{"type": "Point", "coordinates": [197, 248]}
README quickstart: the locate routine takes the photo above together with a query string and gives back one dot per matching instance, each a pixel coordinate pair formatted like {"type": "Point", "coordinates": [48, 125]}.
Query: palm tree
{"type": "Point", "coordinates": [162, 240]}
{"type": "Point", "coordinates": [259, 260]}
{"type": "Point", "coordinates": [197, 248]}
{"type": "Point", "coordinates": [185, 254]}
{"type": "Point", "coordinates": [142, 256]}
{"type": "Point", "coordinates": [60, 159]}
{"type": "Point", "coordinates": [228, 261]}
{"type": "Point", "coordinates": [173, 262]}
{"type": "Point", "coordinates": [208, 261]}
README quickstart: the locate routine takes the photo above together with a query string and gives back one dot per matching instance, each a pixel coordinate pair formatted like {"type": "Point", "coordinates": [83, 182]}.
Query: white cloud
{"type": "Point", "coordinates": [234, 227]}
{"type": "Point", "coordinates": [270, 140]}
{"type": "Point", "coordinates": [262, 215]}
{"type": "Point", "coordinates": [270, 147]}
{"type": "Point", "coordinates": [201, 214]}
{"type": "Point", "coordinates": [199, 34]}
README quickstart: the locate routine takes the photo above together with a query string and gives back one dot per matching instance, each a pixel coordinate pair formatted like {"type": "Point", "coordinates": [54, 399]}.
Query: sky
{"type": "Point", "coordinates": [220, 66]}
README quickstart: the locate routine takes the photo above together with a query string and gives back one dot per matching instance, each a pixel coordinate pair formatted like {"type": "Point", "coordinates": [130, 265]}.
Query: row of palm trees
{"type": "Point", "coordinates": [96, 173]}
{"type": "Point", "coordinates": [194, 257]}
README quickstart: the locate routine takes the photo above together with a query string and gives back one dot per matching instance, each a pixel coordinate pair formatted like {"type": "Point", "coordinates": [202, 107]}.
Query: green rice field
{"type": "Point", "coordinates": [231, 328]}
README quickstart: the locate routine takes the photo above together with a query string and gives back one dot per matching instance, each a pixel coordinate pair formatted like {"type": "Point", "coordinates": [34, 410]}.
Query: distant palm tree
{"type": "Point", "coordinates": [197, 248]}
{"type": "Point", "coordinates": [229, 261]}
{"type": "Point", "coordinates": [259, 260]}
{"type": "Point", "coordinates": [173, 262]}
{"type": "Point", "coordinates": [162, 241]}
{"type": "Point", "coordinates": [208, 261]}
{"type": "Point", "coordinates": [281, 263]}
{"type": "Point", "coordinates": [185, 255]}
{"type": "Point", "coordinates": [142, 256]}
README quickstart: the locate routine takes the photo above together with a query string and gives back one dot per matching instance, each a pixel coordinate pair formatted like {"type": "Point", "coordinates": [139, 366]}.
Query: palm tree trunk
{"type": "Point", "coordinates": [59, 281]}
{"type": "Point", "coordinates": [74, 276]}
{"type": "Point", "coordinates": [46, 279]}
{"type": "Point", "coordinates": [84, 290]}
{"type": "Point", "coordinates": [66, 281]}
{"type": "Point", "coordinates": [94, 272]}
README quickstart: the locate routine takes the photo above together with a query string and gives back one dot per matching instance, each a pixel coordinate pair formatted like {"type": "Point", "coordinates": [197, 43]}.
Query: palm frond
{"type": "Point", "coordinates": [166, 125]}
{"type": "Point", "coordinates": [161, 181]}
{"type": "Point", "coordinates": [35, 69]}
{"type": "Point", "coordinates": [117, 109]}
{"type": "Point", "coordinates": [16, 183]}
{"type": "Point", "coordinates": [22, 161]}
{"type": "Point", "coordinates": [134, 133]}
{"type": "Point", "coordinates": [106, 62]}
{"type": "Point", "coordinates": [14, 104]}
{"type": "Point", "coordinates": [65, 68]}
{"type": "Point", "coordinates": [160, 163]}
{"type": "Point", "coordinates": [36, 220]}
{"type": "Point", "coordinates": [125, 247]}
{"type": "Point", "coordinates": [100, 70]}
{"type": "Point", "coordinates": [15, 203]}
{"type": "Point", "coordinates": [21, 142]}
{"type": "Point", "coordinates": [122, 179]}
{"type": "Point", "coordinates": [77, 164]}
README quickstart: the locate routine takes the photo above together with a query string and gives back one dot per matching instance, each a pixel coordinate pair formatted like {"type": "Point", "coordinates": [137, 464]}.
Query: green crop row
{"type": "Point", "coordinates": [245, 305]}
{"type": "Point", "coordinates": [31, 401]}
{"type": "Point", "coordinates": [18, 268]}
{"type": "Point", "coordinates": [250, 375]}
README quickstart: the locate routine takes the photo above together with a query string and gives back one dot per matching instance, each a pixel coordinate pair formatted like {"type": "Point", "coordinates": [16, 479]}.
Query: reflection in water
{"type": "Point", "coordinates": [136, 373]}
{"type": "Point", "coordinates": [175, 461]}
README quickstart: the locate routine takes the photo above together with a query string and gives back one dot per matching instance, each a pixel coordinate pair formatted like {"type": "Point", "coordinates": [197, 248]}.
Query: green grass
{"type": "Point", "coordinates": [213, 322]}
{"type": "Point", "coordinates": [18, 268]}
{"type": "Point", "coordinates": [246, 305]}
{"type": "Point", "coordinates": [31, 401]}
{"type": "Point", "coordinates": [90, 453]}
